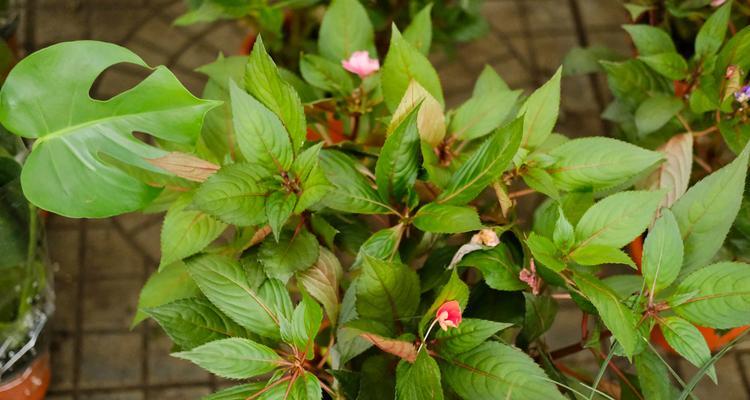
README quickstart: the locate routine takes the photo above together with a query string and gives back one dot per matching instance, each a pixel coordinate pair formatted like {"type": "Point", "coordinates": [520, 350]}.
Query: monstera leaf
{"type": "Point", "coordinates": [79, 140]}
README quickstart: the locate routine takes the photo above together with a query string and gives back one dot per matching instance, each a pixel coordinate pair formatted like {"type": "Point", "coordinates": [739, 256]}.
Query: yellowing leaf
{"type": "Point", "coordinates": [185, 166]}
{"type": "Point", "coordinates": [430, 118]}
{"type": "Point", "coordinates": [674, 174]}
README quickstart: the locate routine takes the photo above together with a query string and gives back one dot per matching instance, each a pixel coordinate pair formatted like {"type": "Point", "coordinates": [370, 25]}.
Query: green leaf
{"type": "Point", "coordinates": [264, 82]}
{"type": "Point", "coordinates": [735, 51]}
{"type": "Point", "coordinates": [540, 180]}
{"type": "Point", "coordinates": [387, 292]}
{"type": "Point", "coordinates": [636, 10]}
{"type": "Point", "coordinates": [489, 82]}
{"type": "Point", "coordinates": [170, 283]}
{"type": "Point", "coordinates": [484, 166]}
{"type": "Point", "coordinates": [655, 112]}
{"type": "Point", "coordinates": [419, 31]}
{"type": "Point", "coordinates": [226, 285]}
{"type": "Point", "coordinates": [650, 40]}
{"type": "Point", "coordinates": [444, 218]}
{"type": "Point", "coordinates": [325, 74]}
{"type": "Point", "coordinates": [497, 371]}
{"type": "Point", "coordinates": [455, 289]}
{"type": "Point", "coordinates": [193, 322]}
{"type": "Point", "coordinates": [46, 97]}
{"type": "Point", "coordinates": [539, 315]}
{"type": "Point", "coordinates": [398, 164]}
{"type": "Point", "coordinates": [382, 245]}
{"type": "Point", "coordinates": [670, 65]}
{"type": "Point", "coordinates": [564, 234]}
{"type": "Point", "coordinates": [430, 117]}
{"type": "Point", "coordinates": [294, 252]}
{"type": "Point", "coordinates": [631, 81]}
{"type": "Point", "coordinates": [688, 341]}
{"type": "Point", "coordinates": [305, 387]}
{"type": "Point", "coordinates": [653, 376]}
{"type": "Point", "coordinates": [346, 28]}
{"type": "Point", "coordinates": [236, 194]}
{"type": "Point", "coordinates": [712, 33]}
{"type": "Point", "coordinates": [598, 163]}
{"type": "Point", "coordinates": [706, 212]}
{"type": "Point", "coordinates": [239, 392]}
{"type": "Point", "coordinates": [498, 268]}
{"type": "Point", "coordinates": [352, 191]}
{"type": "Point", "coordinates": [260, 134]}
{"type": "Point", "coordinates": [617, 219]}
{"type": "Point", "coordinates": [321, 281]}
{"type": "Point", "coordinates": [314, 185]}
{"type": "Point", "coordinates": [404, 63]}
{"type": "Point", "coordinates": [540, 112]}
{"type": "Point", "coordinates": [233, 358]}
{"type": "Point", "coordinates": [186, 232]}
{"type": "Point", "coordinates": [616, 316]}
{"type": "Point", "coordinates": [718, 296]}
{"type": "Point", "coordinates": [377, 379]}
{"type": "Point", "coordinates": [581, 61]}
{"type": "Point", "coordinates": [594, 254]}
{"type": "Point", "coordinates": [482, 114]}
{"type": "Point", "coordinates": [419, 381]}
{"type": "Point", "coordinates": [279, 207]}
{"type": "Point", "coordinates": [469, 334]}
{"type": "Point", "coordinates": [304, 325]}
{"type": "Point", "coordinates": [545, 251]}
{"type": "Point", "coordinates": [662, 253]}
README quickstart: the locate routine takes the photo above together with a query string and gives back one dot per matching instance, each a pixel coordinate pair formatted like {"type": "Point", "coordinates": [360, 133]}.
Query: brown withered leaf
{"type": "Point", "coordinates": [185, 166]}
{"type": "Point", "coordinates": [674, 173]}
{"type": "Point", "coordinates": [406, 350]}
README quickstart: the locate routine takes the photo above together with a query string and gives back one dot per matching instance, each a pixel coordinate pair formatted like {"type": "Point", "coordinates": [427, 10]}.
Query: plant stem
{"type": "Point", "coordinates": [426, 335]}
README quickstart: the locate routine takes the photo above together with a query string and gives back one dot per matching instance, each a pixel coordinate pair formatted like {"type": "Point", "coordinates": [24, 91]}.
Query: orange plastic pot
{"type": "Point", "coordinates": [714, 340]}
{"type": "Point", "coordinates": [335, 130]}
{"type": "Point", "coordinates": [31, 384]}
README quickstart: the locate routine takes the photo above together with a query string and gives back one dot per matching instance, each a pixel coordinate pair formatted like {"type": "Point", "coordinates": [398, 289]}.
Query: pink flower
{"type": "Point", "coordinates": [717, 3]}
{"type": "Point", "coordinates": [361, 64]}
{"type": "Point", "coordinates": [449, 315]}
{"type": "Point", "coordinates": [530, 277]}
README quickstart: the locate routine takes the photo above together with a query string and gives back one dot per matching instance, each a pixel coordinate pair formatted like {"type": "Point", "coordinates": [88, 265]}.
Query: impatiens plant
{"type": "Point", "coordinates": [319, 228]}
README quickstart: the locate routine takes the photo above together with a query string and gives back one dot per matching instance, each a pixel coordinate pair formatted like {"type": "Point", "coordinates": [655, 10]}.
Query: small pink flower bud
{"type": "Point", "coordinates": [449, 315]}
{"type": "Point", "coordinates": [530, 277]}
{"type": "Point", "coordinates": [361, 64]}
{"type": "Point", "coordinates": [717, 3]}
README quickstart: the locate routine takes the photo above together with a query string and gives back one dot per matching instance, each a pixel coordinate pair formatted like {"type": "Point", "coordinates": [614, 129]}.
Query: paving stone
{"type": "Point", "coordinates": [545, 14]}
{"type": "Point", "coordinates": [566, 329]}
{"type": "Point", "coordinates": [62, 361]}
{"type": "Point", "coordinates": [503, 16]}
{"type": "Point", "coordinates": [49, 29]}
{"type": "Point", "coordinates": [63, 250]}
{"type": "Point", "coordinates": [116, 24]}
{"type": "Point", "coordinates": [64, 318]}
{"type": "Point", "coordinates": [730, 387]}
{"type": "Point", "coordinates": [180, 393]}
{"type": "Point", "coordinates": [165, 369]}
{"type": "Point", "coordinates": [58, 397]}
{"type": "Point", "coordinates": [108, 255]}
{"type": "Point", "coordinates": [550, 51]}
{"type": "Point", "coordinates": [577, 95]}
{"type": "Point", "coordinates": [124, 395]}
{"type": "Point", "coordinates": [110, 304]}
{"type": "Point", "coordinates": [111, 360]}
{"type": "Point", "coordinates": [603, 13]}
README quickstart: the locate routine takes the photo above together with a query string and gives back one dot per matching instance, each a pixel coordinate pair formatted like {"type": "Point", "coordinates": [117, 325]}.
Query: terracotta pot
{"type": "Point", "coordinates": [714, 340]}
{"type": "Point", "coordinates": [29, 384]}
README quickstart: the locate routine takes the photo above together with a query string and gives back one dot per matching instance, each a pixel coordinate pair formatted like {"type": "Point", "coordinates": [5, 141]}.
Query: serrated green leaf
{"type": "Point", "coordinates": [236, 194]}
{"type": "Point", "coordinates": [485, 166]}
{"type": "Point", "coordinates": [239, 392]}
{"type": "Point", "coordinates": [419, 31]}
{"type": "Point", "coordinates": [594, 254]}
{"type": "Point", "coordinates": [377, 379]}
{"type": "Point", "coordinates": [541, 181]}
{"type": "Point", "coordinates": [454, 289]}
{"type": "Point", "coordinates": [706, 211]}
{"type": "Point", "coordinates": [294, 252]}
{"type": "Point", "coordinates": [186, 232]}
{"type": "Point", "coordinates": [46, 97]}
{"type": "Point", "coordinates": [326, 74]}
{"type": "Point", "coordinates": [233, 358]}
{"type": "Point", "coordinates": [352, 192]}
{"type": "Point", "coordinates": [193, 322]}
{"type": "Point", "coordinates": [650, 40]}
{"type": "Point", "coordinates": [469, 334]}
{"type": "Point", "coordinates": [711, 35]}
{"type": "Point", "coordinates": [497, 371]}
{"type": "Point", "coordinates": [498, 268]}
{"type": "Point", "coordinates": [716, 296]}
{"type": "Point", "coordinates": [304, 325]}
{"type": "Point", "coordinates": [598, 163]}
{"type": "Point", "coordinates": [172, 282]}
{"type": "Point", "coordinates": [540, 112]}
{"type": "Point", "coordinates": [226, 285]}
{"type": "Point", "coordinates": [631, 81]}
{"type": "Point", "coordinates": [404, 63]}
{"type": "Point", "coordinates": [313, 183]}
{"type": "Point", "coordinates": [735, 51]}
{"type": "Point", "coordinates": [264, 82]}
{"type": "Point", "coordinates": [670, 65]}
{"type": "Point", "coordinates": [489, 82]}
{"type": "Point", "coordinates": [346, 28]}
{"type": "Point", "coordinates": [445, 218]}
{"type": "Point", "coordinates": [564, 234]}
{"type": "Point", "coordinates": [279, 207]}
{"type": "Point", "coordinates": [430, 117]}
{"type": "Point", "coordinates": [482, 114]}
{"type": "Point", "coordinates": [620, 320]}
{"type": "Point", "coordinates": [539, 315]}
{"type": "Point", "coordinates": [419, 381]}
{"type": "Point", "coordinates": [655, 112]}
{"type": "Point", "coordinates": [382, 245]}
{"type": "Point", "coordinates": [662, 253]}
{"type": "Point", "coordinates": [260, 134]}
{"type": "Point", "coordinates": [545, 251]}
{"type": "Point", "coordinates": [617, 219]}
{"type": "Point", "coordinates": [387, 292]}
{"type": "Point", "coordinates": [688, 341]}
{"type": "Point", "coordinates": [653, 376]}
{"type": "Point", "coordinates": [397, 167]}
{"type": "Point", "coordinates": [322, 282]}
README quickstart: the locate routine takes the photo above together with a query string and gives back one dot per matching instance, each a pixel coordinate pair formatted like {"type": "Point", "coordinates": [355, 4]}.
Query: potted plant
{"type": "Point", "coordinates": [691, 104]}
{"type": "Point", "coordinates": [395, 263]}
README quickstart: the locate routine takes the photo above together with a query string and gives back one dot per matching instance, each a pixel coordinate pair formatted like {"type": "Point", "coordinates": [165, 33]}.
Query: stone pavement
{"type": "Point", "coordinates": [103, 263]}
